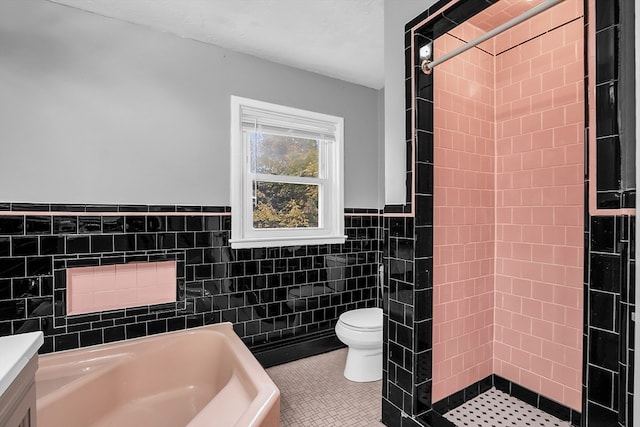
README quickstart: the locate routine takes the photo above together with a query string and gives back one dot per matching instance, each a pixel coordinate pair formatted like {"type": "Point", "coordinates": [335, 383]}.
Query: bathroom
{"type": "Point", "coordinates": [183, 215]}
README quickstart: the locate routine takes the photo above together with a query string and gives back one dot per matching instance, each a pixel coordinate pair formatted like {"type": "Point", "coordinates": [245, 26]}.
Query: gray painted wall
{"type": "Point", "coordinates": [396, 15]}
{"type": "Point", "coordinates": [95, 110]}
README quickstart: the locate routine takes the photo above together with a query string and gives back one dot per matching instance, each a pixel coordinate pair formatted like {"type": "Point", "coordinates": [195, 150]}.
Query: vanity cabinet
{"type": "Point", "coordinates": [18, 366]}
{"type": "Point", "coordinates": [18, 403]}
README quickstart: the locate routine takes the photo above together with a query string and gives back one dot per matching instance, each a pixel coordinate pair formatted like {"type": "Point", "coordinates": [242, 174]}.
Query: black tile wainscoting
{"type": "Point", "coordinates": [609, 328]}
{"type": "Point", "coordinates": [275, 297]}
{"type": "Point", "coordinates": [609, 280]}
{"type": "Point", "coordinates": [407, 299]}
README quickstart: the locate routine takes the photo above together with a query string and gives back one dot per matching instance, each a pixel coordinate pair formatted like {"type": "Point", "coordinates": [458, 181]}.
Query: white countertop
{"type": "Point", "coordinates": [15, 353]}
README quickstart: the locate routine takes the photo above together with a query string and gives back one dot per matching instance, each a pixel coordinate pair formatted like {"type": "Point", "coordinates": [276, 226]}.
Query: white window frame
{"type": "Point", "coordinates": [331, 188]}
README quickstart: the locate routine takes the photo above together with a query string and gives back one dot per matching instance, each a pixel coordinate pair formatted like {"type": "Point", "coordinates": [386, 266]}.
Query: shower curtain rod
{"type": "Point", "coordinates": [427, 65]}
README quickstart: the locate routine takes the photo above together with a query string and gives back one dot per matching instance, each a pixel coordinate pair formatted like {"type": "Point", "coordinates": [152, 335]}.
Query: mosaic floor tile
{"type": "Point", "coordinates": [495, 408]}
{"type": "Point", "coordinates": [314, 393]}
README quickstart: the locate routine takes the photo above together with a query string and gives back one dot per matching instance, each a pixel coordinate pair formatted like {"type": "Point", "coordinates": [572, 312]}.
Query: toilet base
{"type": "Point", "coordinates": [363, 365]}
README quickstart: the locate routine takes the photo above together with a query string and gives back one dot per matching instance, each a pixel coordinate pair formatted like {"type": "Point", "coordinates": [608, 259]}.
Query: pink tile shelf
{"type": "Point", "coordinates": [111, 287]}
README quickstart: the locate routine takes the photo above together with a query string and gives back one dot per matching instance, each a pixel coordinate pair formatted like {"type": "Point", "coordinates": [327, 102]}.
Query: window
{"type": "Point", "coordinates": [286, 176]}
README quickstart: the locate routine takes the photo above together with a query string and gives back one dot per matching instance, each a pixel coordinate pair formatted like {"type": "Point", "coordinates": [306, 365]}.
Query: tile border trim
{"type": "Point", "coordinates": [297, 348]}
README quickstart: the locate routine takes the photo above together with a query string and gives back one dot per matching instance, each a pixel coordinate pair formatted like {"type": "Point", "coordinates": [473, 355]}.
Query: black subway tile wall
{"type": "Point", "coordinates": [608, 333]}
{"type": "Point", "coordinates": [609, 248]}
{"type": "Point", "coordinates": [270, 295]}
{"type": "Point", "coordinates": [608, 173]}
{"type": "Point", "coordinates": [611, 190]}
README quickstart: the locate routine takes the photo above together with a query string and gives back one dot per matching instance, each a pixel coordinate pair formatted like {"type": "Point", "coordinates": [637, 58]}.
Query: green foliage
{"type": "Point", "coordinates": [285, 205]}
{"type": "Point", "coordinates": [282, 205]}
{"type": "Point", "coordinates": [284, 155]}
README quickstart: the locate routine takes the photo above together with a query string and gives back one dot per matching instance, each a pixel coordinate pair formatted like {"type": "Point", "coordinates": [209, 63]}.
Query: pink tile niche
{"type": "Point", "coordinates": [111, 287]}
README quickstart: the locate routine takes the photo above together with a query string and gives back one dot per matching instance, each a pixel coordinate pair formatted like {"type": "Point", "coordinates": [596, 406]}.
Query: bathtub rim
{"type": "Point", "coordinates": [261, 409]}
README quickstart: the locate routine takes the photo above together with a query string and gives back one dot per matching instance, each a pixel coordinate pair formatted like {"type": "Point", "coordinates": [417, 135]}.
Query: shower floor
{"type": "Point", "coordinates": [495, 408]}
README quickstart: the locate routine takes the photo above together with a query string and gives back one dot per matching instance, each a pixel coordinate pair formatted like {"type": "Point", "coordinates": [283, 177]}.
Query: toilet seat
{"type": "Point", "coordinates": [364, 319]}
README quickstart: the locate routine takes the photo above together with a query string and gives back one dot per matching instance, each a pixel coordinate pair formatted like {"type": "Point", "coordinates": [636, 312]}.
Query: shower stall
{"type": "Point", "coordinates": [514, 282]}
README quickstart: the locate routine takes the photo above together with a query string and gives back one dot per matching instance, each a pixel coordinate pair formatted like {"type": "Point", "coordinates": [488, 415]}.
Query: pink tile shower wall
{"type": "Point", "coordinates": [463, 215]}
{"type": "Point", "coordinates": [110, 287]}
{"type": "Point", "coordinates": [539, 204]}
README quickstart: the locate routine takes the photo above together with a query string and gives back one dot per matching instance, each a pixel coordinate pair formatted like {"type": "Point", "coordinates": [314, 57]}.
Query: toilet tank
{"type": "Point", "coordinates": [336, 271]}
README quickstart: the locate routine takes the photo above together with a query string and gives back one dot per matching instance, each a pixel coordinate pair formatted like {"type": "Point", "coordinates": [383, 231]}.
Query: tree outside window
{"type": "Point", "coordinates": [287, 175]}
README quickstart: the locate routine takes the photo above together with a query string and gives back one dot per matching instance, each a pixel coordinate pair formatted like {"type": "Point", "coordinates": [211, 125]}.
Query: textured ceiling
{"type": "Point", "coordinates": [337, 38]}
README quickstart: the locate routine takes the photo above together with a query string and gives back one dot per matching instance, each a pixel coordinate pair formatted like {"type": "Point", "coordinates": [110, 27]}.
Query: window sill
{"type": "Point", "coordinates": [287, 241]}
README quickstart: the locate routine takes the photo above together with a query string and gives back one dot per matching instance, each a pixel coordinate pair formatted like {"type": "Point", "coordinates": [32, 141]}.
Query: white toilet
{"type": "Point", "coordinates": [361, 331]}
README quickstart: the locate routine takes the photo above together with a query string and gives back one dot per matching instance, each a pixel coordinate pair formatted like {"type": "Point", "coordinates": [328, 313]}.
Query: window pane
{"type": "Point", "coordinates": [284, 205]}
{"type": "Point", "coordinates": [283, 155]}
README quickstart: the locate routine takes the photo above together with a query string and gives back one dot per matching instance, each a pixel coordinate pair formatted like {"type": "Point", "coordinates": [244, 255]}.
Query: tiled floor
{"type": "Point", "coordinates": [497, 409]}
{"type": "Point", "coordinates": [315, 393]}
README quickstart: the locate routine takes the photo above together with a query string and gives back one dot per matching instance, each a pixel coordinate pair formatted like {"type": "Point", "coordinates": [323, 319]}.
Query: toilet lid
{"type": "Point", "coordinates": [363, 318]}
